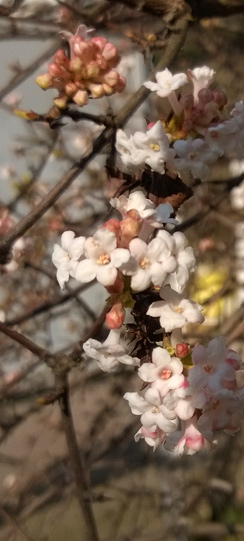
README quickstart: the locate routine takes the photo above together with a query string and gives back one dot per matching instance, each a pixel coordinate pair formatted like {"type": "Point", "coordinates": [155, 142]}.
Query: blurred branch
{"type": "Point", "coordinates": [56, 301]}
{"type": "Point", "coordinates": [75, 459]}
{"type": "Point", "coordinates": [20, 76]}
{"type": "Point", "coordinates": [174, 44]}
{"type": "Point", "coordinates": [24, 341]}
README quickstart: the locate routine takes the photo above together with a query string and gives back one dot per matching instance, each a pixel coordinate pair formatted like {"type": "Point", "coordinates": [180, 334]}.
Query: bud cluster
{"type": "Point", "coordinates": [89, 72]}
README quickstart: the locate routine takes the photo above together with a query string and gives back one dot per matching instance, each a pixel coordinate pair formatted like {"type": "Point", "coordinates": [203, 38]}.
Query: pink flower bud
{"type": "Point", "coordinates": [120, 86]}
{"type": "Point", "coordinates": [205, 96]}
{"type": "Point", "coordinates": [111, 78]}
{"type": "Point", "coordinates": [115, 317]}
{"type": "Point", "coordinates": [182, 350]}
{"type": "Point", "coordinates": [206, 244]}
{"type": "Point", "coordinates": [58, 72]}
{"type": "Point", "coordinates": [100, 42]}
{"type": "Point", "coordinates": [81, 97]}
{"type": "Point", "coordinates": [114, 226]}
{"type": "Point", "coordinates": [44, 81]}
{"type": "Point", "coordinates": [108, 90]}
{"type": "Point", "coordinates": [95, 89]}
{"type": "Point", "coordinates": [76, 65]}
{"type": "Point", "coordinates": [220, 98]}
{"type": "Point", "coordinates": [111, 55]}
{"type": "Point", "coordinates": [130, 228]}
{"type": "Point", "coordinates": [70, 89]}
{"type": "Point", "coordinates": [61, 59]}
{"type": "Point", "coordinates": [187, 102]}
{"type": "Point", "coordinates": [150, 125]}
{"type": "Point", "coordinates": [92, 70]}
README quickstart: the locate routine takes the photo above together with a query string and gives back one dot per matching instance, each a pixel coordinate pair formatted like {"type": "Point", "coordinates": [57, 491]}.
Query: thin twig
{"type": "Point", "coordinates": [76, 461]}
{"type": "Point", "coordinates": [174, 45]}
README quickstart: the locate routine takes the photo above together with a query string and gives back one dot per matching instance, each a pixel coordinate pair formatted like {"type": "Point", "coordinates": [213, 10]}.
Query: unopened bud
{"type": "Point", "coordinates": [205, 96]}
{"type": "Point", "coordinates": [182, 350]}
{"type": "Point", "coordinates": [220, 98]}
{"type": "Point", "coordinates": [61, 101]}
{"type": "Point", "coordinates": [111, 78]}
{"type": "Point", "coordinates": [44, 81]}
{"type": "Point", "coordinates": [81, 98]}
{"type": "Point", "coordinates": [115, 317]}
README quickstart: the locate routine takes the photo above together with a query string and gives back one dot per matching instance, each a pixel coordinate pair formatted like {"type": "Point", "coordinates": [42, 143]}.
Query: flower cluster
{"type": "Point", "coordinates": [199, 132]}
{"type": "Point", "coordinates": [88, 72]}
{"type": "Point", "coordinates": [189, 394]}
{"type": "Point", "coordinates": [124, 258]}
{"type": "Point", "coordinates": [185, 407]}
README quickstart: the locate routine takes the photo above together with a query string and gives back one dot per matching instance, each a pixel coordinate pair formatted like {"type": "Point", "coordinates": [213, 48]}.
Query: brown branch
{"type": "Point", "coordinates": [21, 76]}
{"type": "Point", "coordinates": [171, 9]}
{"type": "Point", "coordinates": [56, 301]}
{"type": "Point", "coordinates": [82, 487]}
{"type": "Point", "coordinates": [24, 341]}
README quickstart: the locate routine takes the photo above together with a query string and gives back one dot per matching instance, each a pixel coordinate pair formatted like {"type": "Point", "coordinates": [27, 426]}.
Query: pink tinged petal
{"type": "Point", "coordinates": [86, 271]}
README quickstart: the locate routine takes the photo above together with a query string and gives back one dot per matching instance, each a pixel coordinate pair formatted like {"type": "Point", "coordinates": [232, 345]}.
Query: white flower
{"type": "Point", "coordinates": [151, 148]}
{"type": "Point", "coordinates": [153, 412]}
{"type": "Point", "coordinates": [186, 262]}
{"type": "Point", "coordinates": [103, 258]}
{"type": "Point", "coordinates": [136, 200]}
{"type": "Point", "coordinates": [155, 261]}
{"type": "Point", "coordinates": [165, 371]}
{"type": "Point", "coordinates": [153, 436]}
{"type": "Point", "coordinates": [214, 369]}
{"type": "Point", "coordinates": [109, 354]}
{"type": "Point", "coordinates": [194, 156]}
{"type": "Point", "coordinates": [132, 157]}
{"type": "Point", "coordinates": [222, 137]}
{"type": "Point", "coordinates": [188, 442]}
{"type": "Point", "coordinates": [166, 83]}
{"type": "Point", "coordinates": [155, 144]}
{"type": "Point", "coordinates": [200, 78]}
{"type": "Point", "coordinates": [66, 257]}
{"type": "Point", "coordinates": [174, 311]}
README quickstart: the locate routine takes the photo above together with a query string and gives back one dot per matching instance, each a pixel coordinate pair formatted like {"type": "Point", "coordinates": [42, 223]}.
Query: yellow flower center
{"type": "Point", "coordinates": [155, 147]}
{"type": "Point", "coordinates": [104, 259]}
{"type": "Point", "coordinates": [145, 263]}
{"type": "Point", "coordinates": [155, 409]}
{"type": "Point", "coordinates": [178, 309]}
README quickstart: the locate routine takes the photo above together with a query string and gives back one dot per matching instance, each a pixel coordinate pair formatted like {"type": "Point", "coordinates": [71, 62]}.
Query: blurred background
{"type": "Point", "coordinates": [138, 495]}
